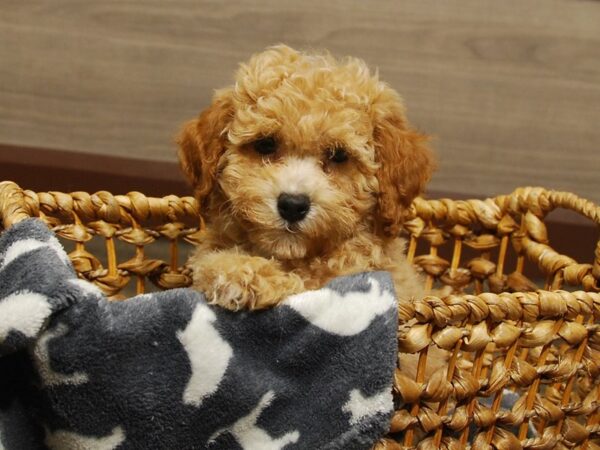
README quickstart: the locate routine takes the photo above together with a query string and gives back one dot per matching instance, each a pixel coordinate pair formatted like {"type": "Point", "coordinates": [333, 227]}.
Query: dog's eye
{"type": "Point", "coordinates": [265, 146]}
{"type": "Point", "coordinates": [338, 155]}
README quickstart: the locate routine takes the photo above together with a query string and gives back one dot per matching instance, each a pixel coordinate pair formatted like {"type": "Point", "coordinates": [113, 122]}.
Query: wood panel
{"type": "Point", "coordinates": [510, 90]}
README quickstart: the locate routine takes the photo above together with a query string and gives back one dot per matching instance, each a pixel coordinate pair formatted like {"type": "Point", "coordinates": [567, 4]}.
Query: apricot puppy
{"type": "Point", "coordinates": [304, 169]}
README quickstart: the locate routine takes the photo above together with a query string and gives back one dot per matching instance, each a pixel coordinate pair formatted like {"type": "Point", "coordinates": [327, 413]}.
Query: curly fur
{"type": "Point", "coordinates": [311, 103]}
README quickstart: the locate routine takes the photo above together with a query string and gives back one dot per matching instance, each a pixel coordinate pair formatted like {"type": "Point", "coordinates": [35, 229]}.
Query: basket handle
{"type": "Point", "coordinates": [13, 207]}
{"type": "Point", "coordinates": [532, 202]}
{"type": "Point", "coordinates": [541, 201]}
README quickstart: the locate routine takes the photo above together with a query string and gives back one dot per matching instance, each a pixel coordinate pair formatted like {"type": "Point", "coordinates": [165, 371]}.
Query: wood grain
{"type": "Point", "coordinates": [510, 90]}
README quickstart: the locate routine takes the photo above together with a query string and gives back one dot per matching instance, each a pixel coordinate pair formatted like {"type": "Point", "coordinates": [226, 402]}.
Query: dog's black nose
{"type": "Point", "coordinates": [293, 207]}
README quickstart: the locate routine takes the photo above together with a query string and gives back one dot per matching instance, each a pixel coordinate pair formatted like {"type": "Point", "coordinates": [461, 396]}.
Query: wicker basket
{"type": "Point", "coordinates": [520, 316]}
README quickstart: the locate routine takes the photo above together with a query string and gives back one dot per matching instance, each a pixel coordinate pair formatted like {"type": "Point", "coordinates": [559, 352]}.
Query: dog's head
{"type": "Point", "coordinates": [303, 152]}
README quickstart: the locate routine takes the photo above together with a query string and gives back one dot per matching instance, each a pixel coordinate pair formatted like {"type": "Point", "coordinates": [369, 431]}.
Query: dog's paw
{"type": "Point", "coordinates": [247, 283]}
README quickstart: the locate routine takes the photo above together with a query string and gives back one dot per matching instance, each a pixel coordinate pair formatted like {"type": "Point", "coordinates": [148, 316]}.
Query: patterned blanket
{"type": "Point", "coordinates": [168, 371]}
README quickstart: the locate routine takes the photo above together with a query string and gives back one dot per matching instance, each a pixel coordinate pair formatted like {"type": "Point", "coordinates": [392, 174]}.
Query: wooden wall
{"type": "Point", "coordinates": [510, 89]}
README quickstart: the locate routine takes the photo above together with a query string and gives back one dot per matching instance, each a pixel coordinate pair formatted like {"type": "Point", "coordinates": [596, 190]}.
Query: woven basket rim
{"type": "Point", "coordinates": [135, 209]}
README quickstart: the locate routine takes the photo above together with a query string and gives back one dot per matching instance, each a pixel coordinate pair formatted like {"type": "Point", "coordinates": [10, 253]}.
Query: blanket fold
{"type": "Point", "coordinates": [168, 371]}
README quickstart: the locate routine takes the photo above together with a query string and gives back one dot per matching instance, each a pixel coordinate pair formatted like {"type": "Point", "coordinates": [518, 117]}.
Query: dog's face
{"type": "Point", "coordinates": [304, 152]}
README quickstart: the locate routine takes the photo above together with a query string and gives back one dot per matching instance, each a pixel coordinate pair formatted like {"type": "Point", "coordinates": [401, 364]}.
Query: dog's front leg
{"type": "Point", "coordinates": [235, 280]}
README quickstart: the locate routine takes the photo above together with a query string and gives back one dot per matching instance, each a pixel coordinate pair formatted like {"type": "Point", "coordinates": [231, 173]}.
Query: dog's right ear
{"type": "Point", "coordinates": [202, 142]}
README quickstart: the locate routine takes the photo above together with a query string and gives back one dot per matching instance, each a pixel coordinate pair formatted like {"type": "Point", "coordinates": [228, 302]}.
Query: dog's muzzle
{"type": "Point", "coordinates": [293, 207]}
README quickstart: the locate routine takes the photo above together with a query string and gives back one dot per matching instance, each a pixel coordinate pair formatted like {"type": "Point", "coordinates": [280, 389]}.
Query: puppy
{"type": "Point", "coordinates": [304, 170]}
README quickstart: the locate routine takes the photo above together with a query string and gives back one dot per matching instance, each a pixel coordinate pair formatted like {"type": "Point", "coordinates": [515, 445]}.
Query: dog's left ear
{"type": "Point", "coordinates": [406, 164]}
{"type": "Point", "coordinates": [202, 143]}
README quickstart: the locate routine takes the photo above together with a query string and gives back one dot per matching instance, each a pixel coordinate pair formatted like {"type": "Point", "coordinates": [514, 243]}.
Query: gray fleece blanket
{"type": "Point", "coordinates": [168, 371]}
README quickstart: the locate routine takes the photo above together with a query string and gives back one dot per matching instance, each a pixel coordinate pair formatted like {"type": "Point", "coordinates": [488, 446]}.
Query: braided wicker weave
{"type": "Point", "coordinates": [518, 316]}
